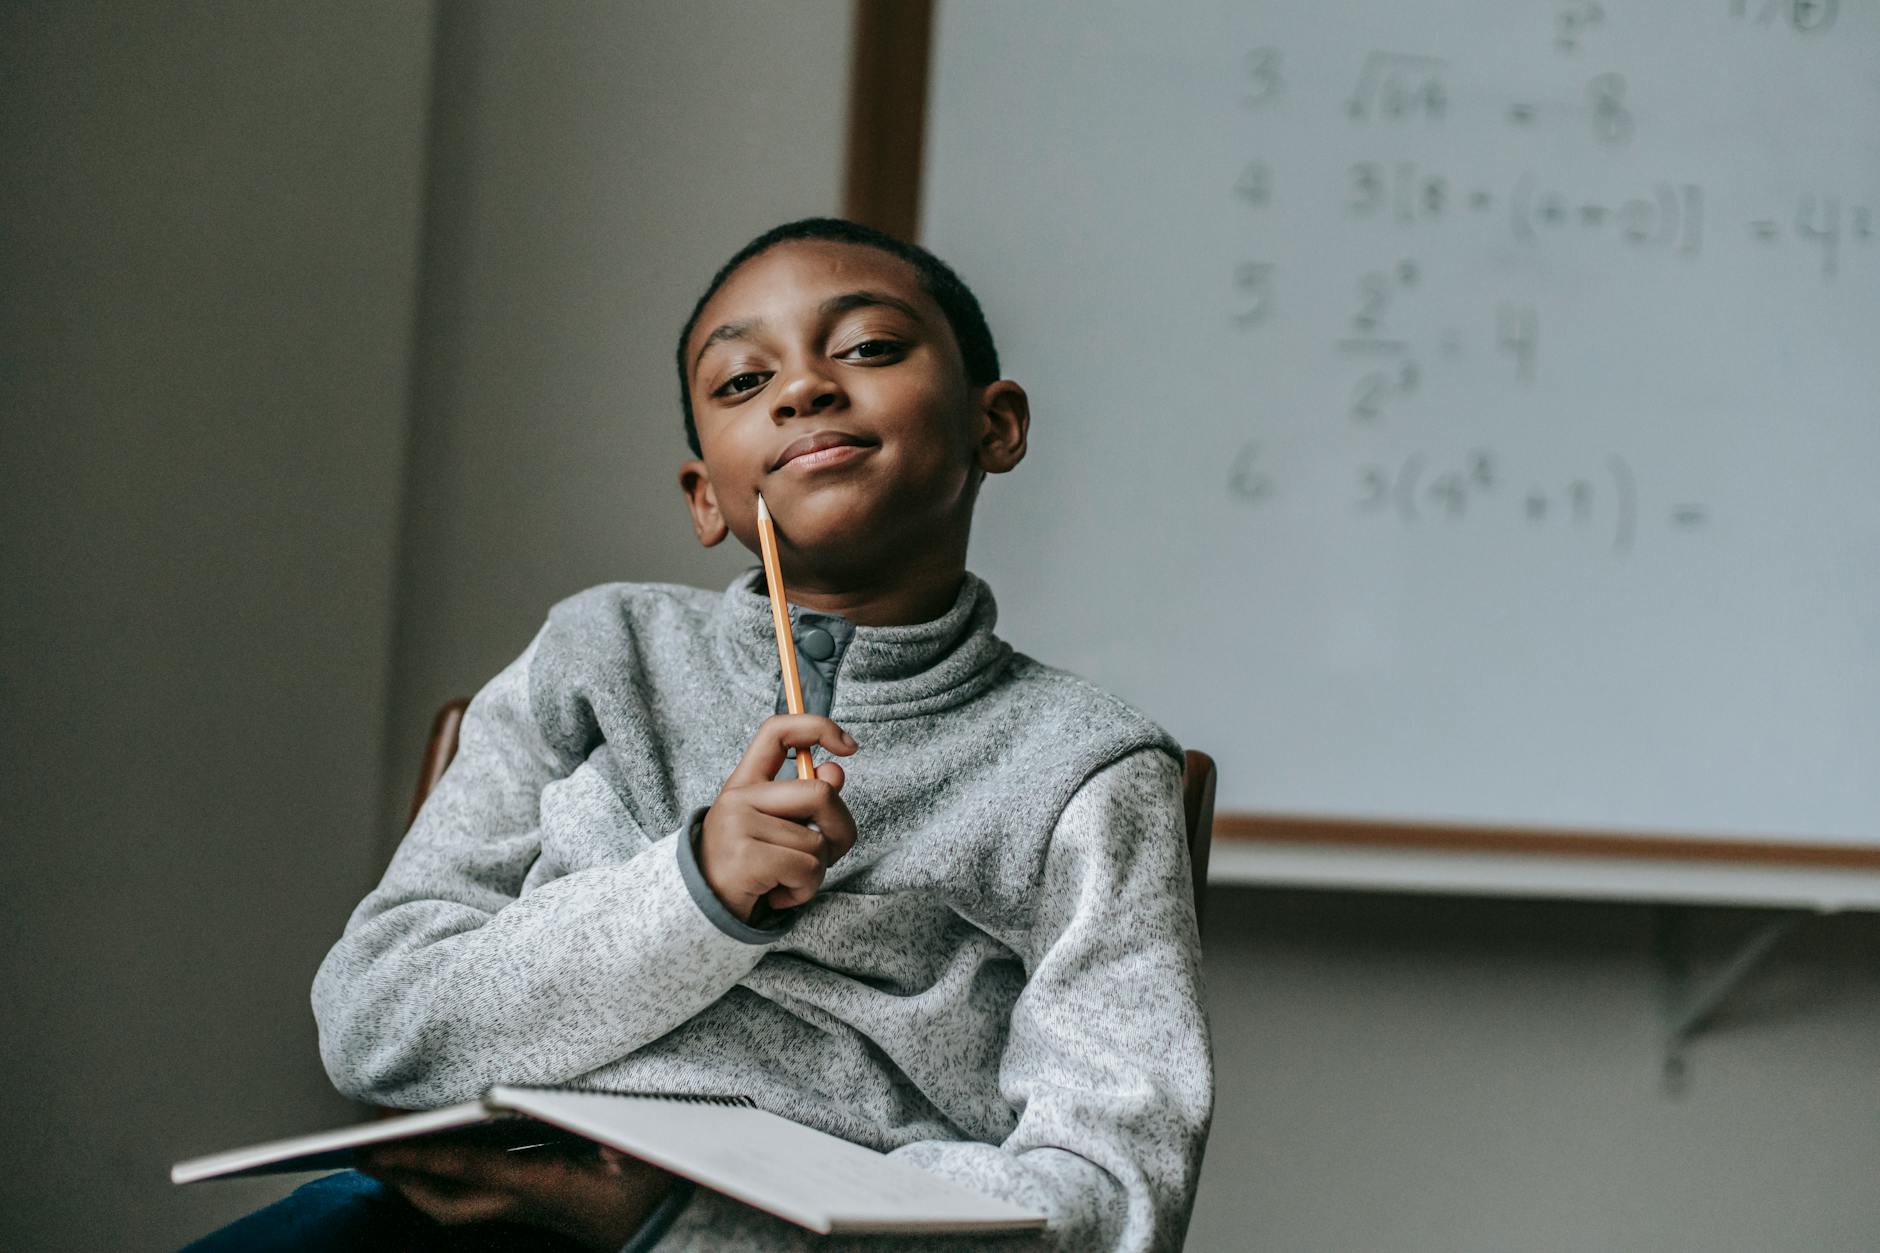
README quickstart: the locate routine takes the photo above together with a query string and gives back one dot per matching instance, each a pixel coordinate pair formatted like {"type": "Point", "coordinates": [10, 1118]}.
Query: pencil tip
{"type": "Point", "coordinates": [763, 512]}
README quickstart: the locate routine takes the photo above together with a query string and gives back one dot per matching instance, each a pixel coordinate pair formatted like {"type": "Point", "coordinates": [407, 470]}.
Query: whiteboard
{"type": "Point", "coordinates": [1475, 407]}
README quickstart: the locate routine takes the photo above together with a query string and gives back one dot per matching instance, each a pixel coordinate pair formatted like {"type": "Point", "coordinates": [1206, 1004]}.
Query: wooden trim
{"type": "Point", "coordinates": [1435, 837]}
{"type": "Point", "coordinates": [887, 114]}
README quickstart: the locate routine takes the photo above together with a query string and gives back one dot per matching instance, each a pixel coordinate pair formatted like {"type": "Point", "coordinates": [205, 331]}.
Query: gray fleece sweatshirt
{"type": "Point", "coordinates": [999, 983]}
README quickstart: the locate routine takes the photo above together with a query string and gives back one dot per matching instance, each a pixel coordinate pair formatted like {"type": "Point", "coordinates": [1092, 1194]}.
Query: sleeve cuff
{"type": "Point", "coordinates": [707, 900]}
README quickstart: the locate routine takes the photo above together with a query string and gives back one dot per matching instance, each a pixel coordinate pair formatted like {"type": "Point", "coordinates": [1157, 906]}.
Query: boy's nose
{"type": "Point", "coordinates": [808, 392]}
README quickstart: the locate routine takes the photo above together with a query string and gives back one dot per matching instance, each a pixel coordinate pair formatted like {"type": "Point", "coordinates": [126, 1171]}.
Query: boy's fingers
{"type": "Point", "coordinates": [447, 1201]}
{"type": "Point", "coordinates": [781, 732]}
{"type": "Point", "coordinates": [808, 816]}
{"type": "Point", "coordinates": [826, 843]}
{"type": "Point", "coordinates": [801, 799]}
{"type": "Point", "coordinates": [838, 825]}
{"type": "Point", "coordinates": [465, 1165]}
{"type": "Point", "coordinates": [785, 867]}
{"type": "Point", "coordinates": [782, 833]}
{"type": "Point", "coordinates": [439, 1158]}
{"type": "Point", "coordinates": [787, 898]}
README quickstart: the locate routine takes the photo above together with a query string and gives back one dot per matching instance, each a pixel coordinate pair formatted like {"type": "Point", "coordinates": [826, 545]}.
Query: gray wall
{"type": "Point", "coordinates": [1404, 1074]}
{"type": "Point", "coordinates": [593, 166]}
{"type": "Point", "coordinates": [207, 382]}
{"type": "Point", "coordinates": [221, 223]}
{"type": "Point", "coordinates": [208, 244]}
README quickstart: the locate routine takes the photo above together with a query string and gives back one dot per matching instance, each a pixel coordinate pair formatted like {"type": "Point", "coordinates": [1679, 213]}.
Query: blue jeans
{"type": "Point", "coordinates": [350, 1211]}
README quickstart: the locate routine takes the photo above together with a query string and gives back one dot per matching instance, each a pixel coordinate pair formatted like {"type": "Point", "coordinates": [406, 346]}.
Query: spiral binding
{"type": "Point", "coordinates": [687, 1098]}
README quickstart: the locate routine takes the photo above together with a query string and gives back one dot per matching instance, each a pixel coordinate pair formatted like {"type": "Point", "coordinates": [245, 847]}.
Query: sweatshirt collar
{"type": "Point", "coordinates": [885, 672]}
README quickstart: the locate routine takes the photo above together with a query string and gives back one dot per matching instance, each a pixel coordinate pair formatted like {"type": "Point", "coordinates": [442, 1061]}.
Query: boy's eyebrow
{"type": "Point", "coordinates": [723, 334]}
{"type": "Point", "coordinates": [867, 299]}
{"type": "Point", "coordinates": [832, 307]}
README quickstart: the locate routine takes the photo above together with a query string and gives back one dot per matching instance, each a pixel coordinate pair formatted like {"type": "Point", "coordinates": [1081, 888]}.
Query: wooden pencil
{"type": "Point", "coordinates": [780, 619]}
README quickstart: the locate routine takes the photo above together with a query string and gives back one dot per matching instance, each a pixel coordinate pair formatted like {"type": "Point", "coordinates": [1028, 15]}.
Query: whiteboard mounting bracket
{"type": "Point", "coordinates": [1692, 1003]}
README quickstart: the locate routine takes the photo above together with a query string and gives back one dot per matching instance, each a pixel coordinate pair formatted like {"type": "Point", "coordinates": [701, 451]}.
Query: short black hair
{"type": "Point", "coordinates": [956, 300]}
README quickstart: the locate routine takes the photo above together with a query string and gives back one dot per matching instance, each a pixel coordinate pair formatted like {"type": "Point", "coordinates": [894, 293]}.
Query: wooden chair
{"type": "Point", "coordinates": [1197, 791]}
{"type": "Point", "coordinates": [1198, 808]}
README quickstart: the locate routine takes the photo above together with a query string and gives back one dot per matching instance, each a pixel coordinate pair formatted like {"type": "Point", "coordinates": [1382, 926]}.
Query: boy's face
{"type": "Point", "coordinates": [814, 343]}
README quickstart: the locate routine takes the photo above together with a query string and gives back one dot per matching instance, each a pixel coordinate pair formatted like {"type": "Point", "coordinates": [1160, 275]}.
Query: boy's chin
{"type": "Point", "coordinates": [827, 526]}
{"type": "Point", "coordinates": [805, 514]}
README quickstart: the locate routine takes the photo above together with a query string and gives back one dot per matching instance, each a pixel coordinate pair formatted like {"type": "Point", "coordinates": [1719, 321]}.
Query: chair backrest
{"type": "Point", "coordinates": [1198, 809]}
{"type": "Point", "coordinates": [1197, 790]}
{"type": "Point", "coordinates": [438, 751]}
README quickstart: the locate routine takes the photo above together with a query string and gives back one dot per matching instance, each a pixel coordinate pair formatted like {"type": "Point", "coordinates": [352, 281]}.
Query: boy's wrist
{"type": "Point", "coordinates": [765, 926]}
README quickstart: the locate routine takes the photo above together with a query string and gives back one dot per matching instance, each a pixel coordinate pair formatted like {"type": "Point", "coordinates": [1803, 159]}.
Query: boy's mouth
{"type": "Point", "coordinates": [809, 445]}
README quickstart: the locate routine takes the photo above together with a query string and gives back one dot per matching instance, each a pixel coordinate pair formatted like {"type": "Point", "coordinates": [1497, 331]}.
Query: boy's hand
{"type": "Point", "coordinates": [598, 1200]}
{"type": "Point", "coordinates": [755, 848]}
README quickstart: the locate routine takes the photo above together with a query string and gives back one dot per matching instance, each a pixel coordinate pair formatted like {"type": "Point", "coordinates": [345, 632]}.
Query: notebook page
{"type": "Point", "coordinates": [795, 1172]}
{"type": "Point", "coordinates": [326, 1150]}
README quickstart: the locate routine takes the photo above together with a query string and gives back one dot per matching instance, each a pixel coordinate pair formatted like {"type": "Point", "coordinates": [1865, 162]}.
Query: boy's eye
{"type": "Point", "coordinates": [740, 383]}
{"type": "Point", "coordinates": [872, 348]}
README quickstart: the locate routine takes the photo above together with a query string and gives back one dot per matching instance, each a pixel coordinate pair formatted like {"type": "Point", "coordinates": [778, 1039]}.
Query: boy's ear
{"type": "Point", "coordinates": [1004, 426]}
{"type": "Point", "coordinates": [702, 499]}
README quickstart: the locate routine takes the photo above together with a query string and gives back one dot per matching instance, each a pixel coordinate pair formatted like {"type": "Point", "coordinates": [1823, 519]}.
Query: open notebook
{"type": "Point", "coordinates": [724, 1143]}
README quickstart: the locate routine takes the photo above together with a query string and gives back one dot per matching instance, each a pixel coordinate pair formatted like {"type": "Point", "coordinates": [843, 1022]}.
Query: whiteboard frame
{"type": "Point", "coordinates": [1342, 853]}
{"type": "Point", "coordinates": [1528, 873]}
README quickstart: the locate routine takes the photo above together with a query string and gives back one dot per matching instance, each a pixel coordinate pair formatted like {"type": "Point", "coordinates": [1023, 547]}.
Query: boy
{"type": "Point", "coordinates": [973, 946]}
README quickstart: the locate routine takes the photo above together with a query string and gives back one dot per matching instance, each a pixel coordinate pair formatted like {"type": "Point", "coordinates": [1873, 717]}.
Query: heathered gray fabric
{"type": "Point", "coordinates": [999, 982]}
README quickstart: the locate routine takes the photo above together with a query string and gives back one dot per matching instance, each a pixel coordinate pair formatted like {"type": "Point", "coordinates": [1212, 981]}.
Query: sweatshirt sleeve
{"type": "Point", "coordinates": [1107, 1061]}
{"type": "Point", "coordinates": [448, 978]}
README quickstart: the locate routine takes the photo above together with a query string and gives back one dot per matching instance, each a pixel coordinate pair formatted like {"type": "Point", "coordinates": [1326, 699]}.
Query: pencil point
{"type": "Point", "coordinates": [763, 512]}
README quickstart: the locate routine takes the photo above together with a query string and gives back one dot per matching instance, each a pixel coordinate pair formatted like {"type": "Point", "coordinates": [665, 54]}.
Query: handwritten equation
{"type": "Point", "coordinates": [1823, 223]}
{"type": "Point", "coordinates": [1600, 502]}
{"type": "Point", "coordinates": [1391, 365]}
{"type": "Point", "coordinates": [1391, 345]}
{"type": "Point", "coordinates": [1404, 193]}
{"type": "Point", "coordinates": [1804, 17]}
